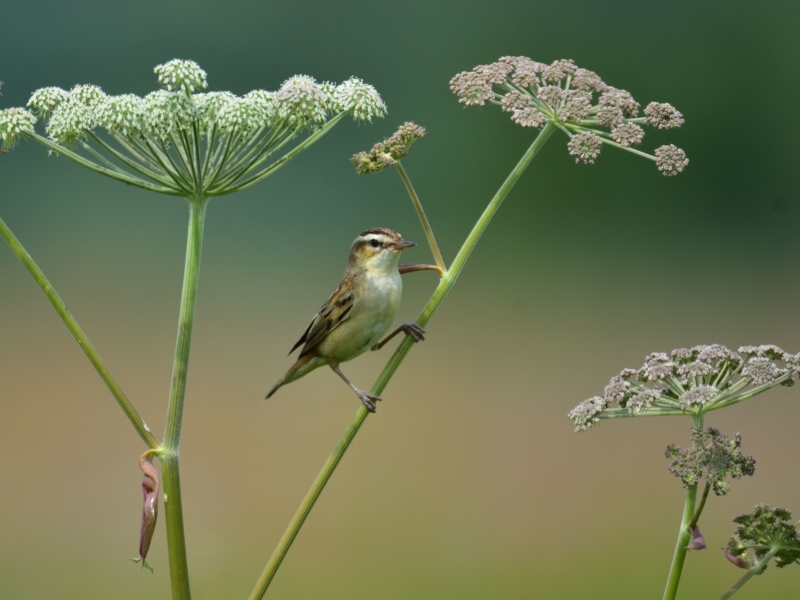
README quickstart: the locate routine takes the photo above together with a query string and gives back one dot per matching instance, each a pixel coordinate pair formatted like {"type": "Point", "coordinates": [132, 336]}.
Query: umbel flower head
{"type": "Point", "coordinates": [389, 151]}
{"type": "Point", "coordinates": [689, 381]}
{"type": "Point", "coordinates": [761, 530]}
{"type": "Point", "coordinates": [182, 141]}
{"type": "Point", "coordinates": [590, 112]}
{"type": "Point", "coordinates": [711, 457]}
{"type": "Point", "coordinates": [14, 123]}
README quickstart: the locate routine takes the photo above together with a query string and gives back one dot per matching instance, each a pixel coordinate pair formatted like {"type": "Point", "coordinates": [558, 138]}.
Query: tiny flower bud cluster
{"type": "Point", "coordinates": [574, 99]}
{"type": "Point", "coordinates": [70, 121]}
{"type": "Point", "coordinates": [14, 123]}
{"type": "Point", "coordinates": [359, 98]}
{"type": "Point", "coordinates": [389, 151]}
{"type": "Point", "coordinates": [45, 100]}
{"type": "Point", "coordinates": [90, 95]}
{"type": "Point", "coordinates": [184, 75]}
{"type": "Point", "coordinates": [300, 99]}
{"type": "Point", "coordinates": [689, 381]}
{"type": "Point", "coordinates": [764, 529]}
{"type": "Point", "coordinates": [711, 457]}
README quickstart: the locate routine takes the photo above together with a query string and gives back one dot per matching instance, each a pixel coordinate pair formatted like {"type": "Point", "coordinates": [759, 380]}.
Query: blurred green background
{"type": "Point", "coordinates": [469, 482]}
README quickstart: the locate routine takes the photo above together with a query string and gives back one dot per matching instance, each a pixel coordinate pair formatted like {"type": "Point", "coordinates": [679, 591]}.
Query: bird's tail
{"type": "Point", "coordinates": [304, 365]}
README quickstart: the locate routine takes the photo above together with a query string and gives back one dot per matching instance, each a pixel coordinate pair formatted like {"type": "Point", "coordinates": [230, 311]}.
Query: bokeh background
{"type": "Point", "coordinates": [469, 482]}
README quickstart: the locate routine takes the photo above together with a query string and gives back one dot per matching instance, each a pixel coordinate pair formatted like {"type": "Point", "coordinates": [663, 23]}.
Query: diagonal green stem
{"type": "Point", "coordinates": [80, 337]}
{"type": "Point", "coordinates": [700, 508]}
{"type": "Point", "coordinates": [437, 255]}
{"type": "Point", "coordinates": [684, 534]}
{"type": "Point", "coordinates": [170, 457]}
{"type": "Point", "coordinates": [439, 294]}
{"type": "Point", "coordinates": [754, 570]}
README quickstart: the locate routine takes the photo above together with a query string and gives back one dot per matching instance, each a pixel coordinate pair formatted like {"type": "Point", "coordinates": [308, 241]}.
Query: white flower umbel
{"type": "Point", "coordinates": [182, 141]}
{"type": "Point", "coordinates": [14, 123]}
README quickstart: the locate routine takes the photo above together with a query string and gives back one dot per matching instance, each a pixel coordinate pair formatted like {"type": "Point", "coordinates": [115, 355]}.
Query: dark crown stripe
{"type": "Point", "coordinates": [381, 231]}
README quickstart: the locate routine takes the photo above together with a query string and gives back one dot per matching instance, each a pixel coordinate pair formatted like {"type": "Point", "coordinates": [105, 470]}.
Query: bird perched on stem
{"type": "Point", "coordinates": [359, 312]}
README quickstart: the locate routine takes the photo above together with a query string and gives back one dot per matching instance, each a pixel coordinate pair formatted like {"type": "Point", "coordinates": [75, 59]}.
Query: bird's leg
{"type": "Point", "coordinates": [414, 331]}
{"type": "Point", "coordinates": [367, 398]}
{"type": "Point", "coordinates": [418, 267]}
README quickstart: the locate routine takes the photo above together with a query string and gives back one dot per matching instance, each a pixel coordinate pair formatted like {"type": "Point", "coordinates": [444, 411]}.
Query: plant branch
{"type": "Point", "coordinates": [754, 570]}
{"type": "Point", "coordinates": [682, 545]}
{"type": "Point", "coordinates": [445, 283]}
{"type": "Point", "coordinates": [170, 458]}
{"type": "Point", "coordinates": [425, 224]}
{"type": "Point", "coordinates": [85, 162]}
{"type": "Point", "coordinates": [141, 169]}
{"type": "Point", "coordinates": [80, 337]}
{"type": "Point", "coordinates": [282, 160]}
{"type": "Point", "coordinates": [700, 508]}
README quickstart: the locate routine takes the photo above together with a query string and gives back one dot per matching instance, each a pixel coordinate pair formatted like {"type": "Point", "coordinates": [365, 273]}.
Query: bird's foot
{"type": "Point", "coordinates": [368, 399]}
{"type": "Point", "coordinates": [414, 331]}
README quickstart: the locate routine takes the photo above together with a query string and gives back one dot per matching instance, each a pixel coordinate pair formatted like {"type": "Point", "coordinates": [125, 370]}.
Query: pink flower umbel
{"type": "Point", "coordinates": [689, 382]}
{"type": "Point", "coordinates": [577, 101]}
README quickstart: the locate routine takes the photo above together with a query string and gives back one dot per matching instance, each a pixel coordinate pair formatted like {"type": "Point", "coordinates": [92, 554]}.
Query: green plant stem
{"type": "Point", "coordinates": [681, 546]}
{"type": "Point", "coordinates": [170, 457]}
{"type": "Point", "coordinates": [80, 337]}
{"type": "Point", "coordinates": [755, 570]}
{"type": "Point", "coordinates": [85, 162]}
{"type": "Point", "coordinates": [314, 137]}
{"type": "Point", "coordinates": [437, 255]}
{"type": "Point", "coordinates": [700, 508]}
{"type": "Point", "coordinates": [439, 294]}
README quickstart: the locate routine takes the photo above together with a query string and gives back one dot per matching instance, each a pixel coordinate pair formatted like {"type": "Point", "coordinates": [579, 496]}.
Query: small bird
{"type": "Point", "coordinates": [358, 313]}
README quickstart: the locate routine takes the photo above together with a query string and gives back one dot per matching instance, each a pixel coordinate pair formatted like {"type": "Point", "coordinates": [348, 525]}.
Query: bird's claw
{"type": "Point", "coordinates": [369, 400]}
{"type": "Point", "coordinates": [414, 331]}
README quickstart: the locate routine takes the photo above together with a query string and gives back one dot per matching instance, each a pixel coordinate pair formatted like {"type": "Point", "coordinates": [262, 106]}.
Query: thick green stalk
{"type": "Point", "coordinates": [170, 456]}
{"type": "Point", "coordinates": [684, 535]}
{"type": "Point", "coordinates": [754, 570]}
{"type": "Point", "coordinates": [441, 291]}
{"type": "Point", "coordinates": [80, 337]}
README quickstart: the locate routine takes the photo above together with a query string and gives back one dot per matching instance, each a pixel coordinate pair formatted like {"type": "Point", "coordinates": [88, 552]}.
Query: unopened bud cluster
{"type": "Point", "coordinates": [711, 457]}
{"type": "Point", "coordinates": [574, 99]}
{"type": "Point", "coordinates": [689, 381]}
{"type": "Point", "coordinates": [14, 123]}
{"type": "Point", "coordinates": [389, 151]}
{"type": "Point", "coordinates": [764, 529]}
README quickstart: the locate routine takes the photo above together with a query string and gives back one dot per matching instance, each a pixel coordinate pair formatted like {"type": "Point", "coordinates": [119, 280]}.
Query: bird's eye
{"type": "Point", "coordinates": [374, 243]}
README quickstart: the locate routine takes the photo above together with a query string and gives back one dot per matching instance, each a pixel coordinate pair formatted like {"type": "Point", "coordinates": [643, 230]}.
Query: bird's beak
{"type": "Point", "coordinates": [403, 244]}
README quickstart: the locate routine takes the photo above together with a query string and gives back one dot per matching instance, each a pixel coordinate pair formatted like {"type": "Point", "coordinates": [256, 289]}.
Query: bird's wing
{"type": "Point", "coordinates": [332, 314]}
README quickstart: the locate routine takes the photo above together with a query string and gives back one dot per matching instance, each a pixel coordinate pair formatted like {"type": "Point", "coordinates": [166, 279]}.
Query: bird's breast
{"type": "Point", "coordinates": [377, 298]}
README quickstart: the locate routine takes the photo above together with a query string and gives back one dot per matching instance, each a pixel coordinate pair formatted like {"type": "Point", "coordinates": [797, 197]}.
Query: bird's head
{"type": "Point", "coordinates": [378, 248]}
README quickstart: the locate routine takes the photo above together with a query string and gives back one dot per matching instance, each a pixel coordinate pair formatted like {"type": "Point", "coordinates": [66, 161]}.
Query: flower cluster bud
{"type": "Point", "coordinates": [388, 152]}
